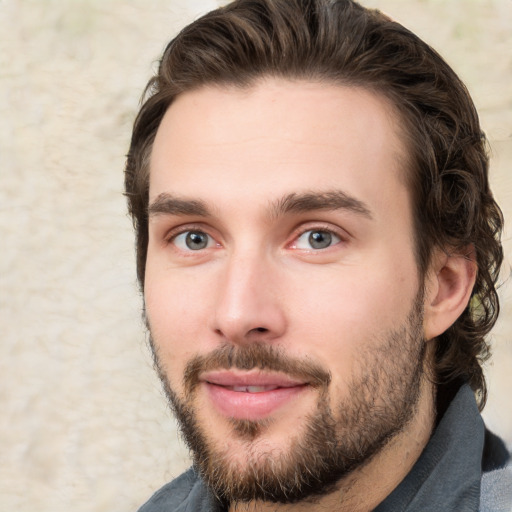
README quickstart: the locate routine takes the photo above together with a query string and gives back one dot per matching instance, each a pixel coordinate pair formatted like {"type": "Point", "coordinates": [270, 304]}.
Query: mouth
{"type": "Point", "coordinates": [251, 395]}
{"type": "Point", "coordinates": [251, 389]}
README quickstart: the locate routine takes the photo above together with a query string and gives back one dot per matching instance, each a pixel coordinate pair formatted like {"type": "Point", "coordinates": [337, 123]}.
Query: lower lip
{"type": "Point", "coordinates": [251, 406]}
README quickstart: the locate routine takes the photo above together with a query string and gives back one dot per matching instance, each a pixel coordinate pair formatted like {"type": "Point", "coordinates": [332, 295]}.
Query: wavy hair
{"type": "Point", "coordinates": [341, 42]}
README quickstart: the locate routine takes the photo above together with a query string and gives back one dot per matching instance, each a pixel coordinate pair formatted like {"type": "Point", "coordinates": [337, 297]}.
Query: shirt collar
{"type": "Point", "coordinates": [447, 474]}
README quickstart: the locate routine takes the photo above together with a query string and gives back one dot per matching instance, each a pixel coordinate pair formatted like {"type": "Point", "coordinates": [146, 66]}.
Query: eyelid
{"type": "Point", "coordinates": [343, 235]}
{"type": "Point", "coordinates": [172, 233]}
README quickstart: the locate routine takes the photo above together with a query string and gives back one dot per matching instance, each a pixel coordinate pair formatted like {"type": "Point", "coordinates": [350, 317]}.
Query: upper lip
{"type": "Point", "coordinates": [228, 378]}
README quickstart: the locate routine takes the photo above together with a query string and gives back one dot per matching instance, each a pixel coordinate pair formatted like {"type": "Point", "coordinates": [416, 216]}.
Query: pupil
{"type": "Point", "coordinates": [320, 239]}
{"type": "Point", "coordinates": [196, 240]}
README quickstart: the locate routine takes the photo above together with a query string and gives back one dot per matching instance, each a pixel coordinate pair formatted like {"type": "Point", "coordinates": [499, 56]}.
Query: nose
{"type": "Point", "coordinates": [249, 304]}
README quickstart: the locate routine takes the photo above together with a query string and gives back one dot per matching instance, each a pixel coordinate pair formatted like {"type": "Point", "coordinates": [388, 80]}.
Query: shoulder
{"type": "Point", "coordinates": [496, 485]}
{"type": "Point", "coordinates": [187, 492]}
{"type": "Point", "coordinates": [496, 490]}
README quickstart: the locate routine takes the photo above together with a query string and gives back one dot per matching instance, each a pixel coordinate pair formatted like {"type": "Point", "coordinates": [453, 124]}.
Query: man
{"type": "Point", "coordinates": [318, 249]}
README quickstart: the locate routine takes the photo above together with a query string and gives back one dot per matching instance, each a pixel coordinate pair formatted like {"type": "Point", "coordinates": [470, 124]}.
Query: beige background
{"type": "Point", "coordinates": [83, 425]}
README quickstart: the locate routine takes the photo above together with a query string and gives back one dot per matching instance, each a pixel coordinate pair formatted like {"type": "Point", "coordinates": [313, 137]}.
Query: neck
{"type": "Point", "coordinates": [369, 485]}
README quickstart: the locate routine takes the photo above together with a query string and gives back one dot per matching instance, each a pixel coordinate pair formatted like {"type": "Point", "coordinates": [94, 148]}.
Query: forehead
{"type": "Point", "coordinates": [277, 137]}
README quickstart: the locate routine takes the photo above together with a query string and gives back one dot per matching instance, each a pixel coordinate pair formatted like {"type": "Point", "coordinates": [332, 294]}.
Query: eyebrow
{"type": "Point", "coordinates": [168, 204]}
{"type": "Point", "coordinates": [317, 201]}
{"type": "Point", "coordinates": [331, 200]}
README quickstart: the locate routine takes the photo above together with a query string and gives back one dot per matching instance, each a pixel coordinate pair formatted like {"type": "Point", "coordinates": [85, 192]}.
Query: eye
{"type": "Point", "coordinates": [193, 240]}
{"type": "Point", "coordinates": [316, 239]}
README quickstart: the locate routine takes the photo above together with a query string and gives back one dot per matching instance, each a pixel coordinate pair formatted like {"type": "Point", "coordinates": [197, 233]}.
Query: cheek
{"type": "Point", "coordinates": [349, 300]}
{"type": "Point", "coordinates": [174, 297]}
{"type": "Point", "coordinates": [357, 307]}
{"type": "Point", "coordinates": [176, 317]}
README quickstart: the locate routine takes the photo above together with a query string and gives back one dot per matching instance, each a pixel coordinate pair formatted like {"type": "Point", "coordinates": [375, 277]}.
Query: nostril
{"type": "Point", "coordinates": [260, 329]}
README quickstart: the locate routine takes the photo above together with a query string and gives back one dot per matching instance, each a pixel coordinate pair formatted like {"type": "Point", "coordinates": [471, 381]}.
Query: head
{"type": "Point", "coordinates": [300, 47]}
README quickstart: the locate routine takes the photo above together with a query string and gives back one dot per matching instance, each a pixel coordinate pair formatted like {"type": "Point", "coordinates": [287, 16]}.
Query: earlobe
{"type": "Point", "coordinates": [448, 288]}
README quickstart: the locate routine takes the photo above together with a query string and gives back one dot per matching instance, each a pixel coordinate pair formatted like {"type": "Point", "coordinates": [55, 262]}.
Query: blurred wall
{"type": "Point", "coordinates": [83, 424]}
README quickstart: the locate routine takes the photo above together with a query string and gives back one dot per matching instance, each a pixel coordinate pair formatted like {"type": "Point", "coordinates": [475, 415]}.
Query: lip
{"type": "Point", "coordinates": [250, 395]}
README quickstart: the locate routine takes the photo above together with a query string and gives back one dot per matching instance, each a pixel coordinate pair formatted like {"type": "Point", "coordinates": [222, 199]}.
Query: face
{"type": "Point", "coordinates": [281, 290]}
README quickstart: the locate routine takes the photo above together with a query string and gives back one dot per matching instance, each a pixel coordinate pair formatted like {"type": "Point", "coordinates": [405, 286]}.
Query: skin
{"type": "Point", "coordinates": [238, 153]}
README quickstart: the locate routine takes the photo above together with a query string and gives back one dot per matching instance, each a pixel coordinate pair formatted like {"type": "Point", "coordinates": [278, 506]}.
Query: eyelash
{"type": "Point", "coordinates": [342, 237]}
{"type": "Point", "coordinates": [298, 233]}
{"type": "Point", "coordinates": [180, 230]}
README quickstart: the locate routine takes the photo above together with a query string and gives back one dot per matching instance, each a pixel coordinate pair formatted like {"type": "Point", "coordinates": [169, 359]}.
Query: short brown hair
{"type": "Point", "coordinates": [340, 42]}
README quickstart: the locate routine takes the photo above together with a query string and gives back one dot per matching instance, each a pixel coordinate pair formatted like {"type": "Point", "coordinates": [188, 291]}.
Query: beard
{"type": "Point", "coordinates": [331, 443]}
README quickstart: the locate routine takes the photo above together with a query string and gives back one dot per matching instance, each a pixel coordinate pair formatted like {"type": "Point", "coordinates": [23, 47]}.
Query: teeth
{"type": "Point", "coordinates": [252, 389]}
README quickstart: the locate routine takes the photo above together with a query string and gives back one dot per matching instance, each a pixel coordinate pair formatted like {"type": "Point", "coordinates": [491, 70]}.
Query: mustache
{"type": "Point", "coordinates": [259, 356]}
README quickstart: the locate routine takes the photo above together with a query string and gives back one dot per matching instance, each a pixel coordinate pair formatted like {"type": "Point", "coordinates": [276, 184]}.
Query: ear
{"type": "Point", "coordinates": [448, 288]}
